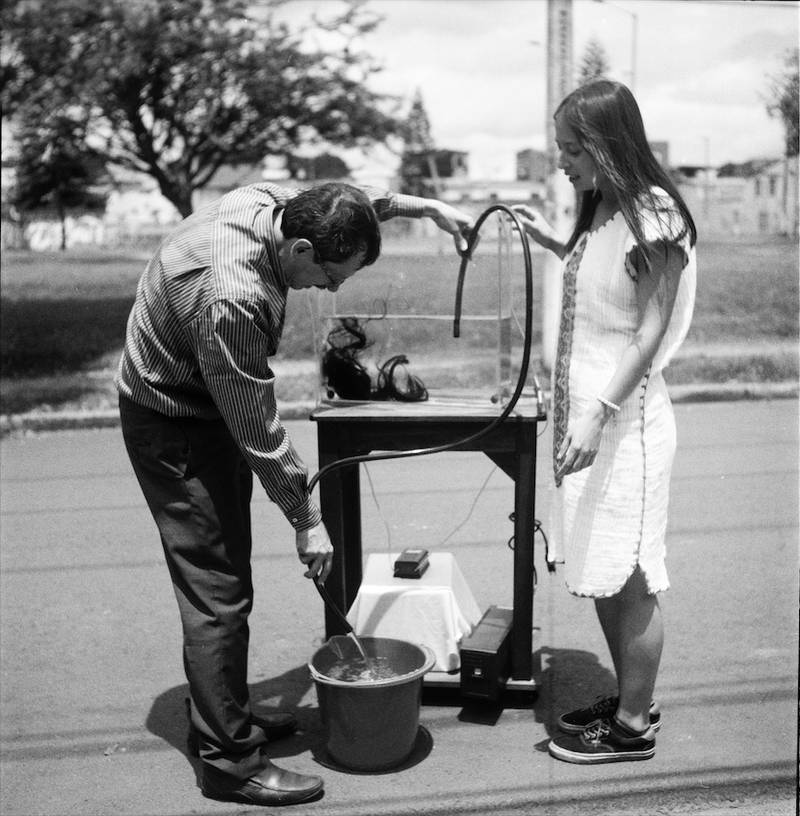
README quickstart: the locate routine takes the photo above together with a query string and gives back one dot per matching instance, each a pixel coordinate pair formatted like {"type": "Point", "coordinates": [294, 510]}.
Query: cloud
{"type": "Point", "coordinates": [701, 68]}
{"type": "Point", "coordinates": [698, 132]}
{"type": "Point", "coordinates": [760, 45]}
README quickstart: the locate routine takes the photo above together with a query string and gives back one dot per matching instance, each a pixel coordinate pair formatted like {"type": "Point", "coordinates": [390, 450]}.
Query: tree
{"type": "Point", "coordinates": [782, 100]}
{"type": "Point", "coordinates": [324, 166]}
{"type": "Point", "coordinates": [175, 90]}
{"type": "Point", "coordinates": [745, 169]}
{"type": "Point", "coordinates": [416, 130]}
{"type": "Point", "coordinates": [55, 169]}
{"type": "Point", "coordinates": [418, 161]}
{"type": "Point", "coordinates": [594, 62]}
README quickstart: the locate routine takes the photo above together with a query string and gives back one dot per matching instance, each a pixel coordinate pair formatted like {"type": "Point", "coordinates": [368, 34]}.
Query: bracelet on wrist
{"type": "Point", "coordinates": [608, 404]}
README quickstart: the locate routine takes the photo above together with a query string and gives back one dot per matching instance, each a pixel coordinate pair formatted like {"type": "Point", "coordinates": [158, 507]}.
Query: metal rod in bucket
{"type": "Point", "coordinates": [340, 615]}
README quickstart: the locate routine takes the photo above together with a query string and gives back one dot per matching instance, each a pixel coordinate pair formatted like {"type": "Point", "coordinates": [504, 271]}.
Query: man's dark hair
{"type": "Point", "coordinates": [339, 221]}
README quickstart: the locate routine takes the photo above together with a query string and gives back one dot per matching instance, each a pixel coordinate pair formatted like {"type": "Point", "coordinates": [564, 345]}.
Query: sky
{"type": "Point", "coordinates": [700, 76]}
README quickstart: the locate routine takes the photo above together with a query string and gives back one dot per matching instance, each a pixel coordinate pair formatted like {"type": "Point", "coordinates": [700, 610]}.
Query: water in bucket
{"type": "Point", "coordinates": [362, 669]}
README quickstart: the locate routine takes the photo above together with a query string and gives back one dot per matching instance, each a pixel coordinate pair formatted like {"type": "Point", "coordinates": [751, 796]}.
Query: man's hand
{"type": "Point", "coordinates": [314, 549]}
{"type": "Point", "coordinates": [451, 220]}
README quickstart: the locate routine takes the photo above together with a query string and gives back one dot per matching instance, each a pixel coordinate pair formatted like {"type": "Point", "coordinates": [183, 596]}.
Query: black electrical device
{"type": "Point", "coordinates": [486, 655]}
{"type": "Point", "coordinates": [411, 564]}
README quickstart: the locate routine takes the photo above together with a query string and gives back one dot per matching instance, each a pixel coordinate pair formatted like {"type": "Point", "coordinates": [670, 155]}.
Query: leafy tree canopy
{"type": "Point", "coordinates": [324, 166]}
{"type": "Point", "coordinates": [418, 162]}
{"type": "Point", "coordinates": [176, 89]}
{"type": "Point", "coordinates": [746, 169]}
{"type": "Point", "coordinates": [783, 99]}
{"type": "Point", "coordinates": [416, 129]}
{"type": "Point", "coordinates": [56, 170]}
{"type": "Point", "coordinates": [594, 62]}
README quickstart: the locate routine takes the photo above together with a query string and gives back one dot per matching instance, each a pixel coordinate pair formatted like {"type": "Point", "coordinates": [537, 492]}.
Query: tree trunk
{"type": "Point", "coordinates": [183, 203]}
{"type": "Point", "coordinates": [62, 217]}
{"type": "Point", "coordinates": [178, 194]}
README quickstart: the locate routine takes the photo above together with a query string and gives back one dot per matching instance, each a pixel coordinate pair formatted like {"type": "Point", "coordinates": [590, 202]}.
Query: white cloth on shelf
{"type": "Point", "coordinates": [436, 610]}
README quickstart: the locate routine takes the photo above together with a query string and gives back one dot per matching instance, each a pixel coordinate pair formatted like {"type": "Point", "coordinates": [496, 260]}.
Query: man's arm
{"type": "Point", "coordinates": [389, 205]}
{"type": "Point", "coordinates": [231, 345]}
{"type": "Point", "coordinates": [393, 205]}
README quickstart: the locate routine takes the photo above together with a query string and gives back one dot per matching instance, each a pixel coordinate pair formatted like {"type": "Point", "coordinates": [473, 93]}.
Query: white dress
{"type": "Point", "coordinates": [611, 516]}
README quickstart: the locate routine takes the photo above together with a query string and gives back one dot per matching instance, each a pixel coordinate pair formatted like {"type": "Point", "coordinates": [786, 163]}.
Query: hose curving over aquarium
{"type": "Point", "coordinates": [526, 352]}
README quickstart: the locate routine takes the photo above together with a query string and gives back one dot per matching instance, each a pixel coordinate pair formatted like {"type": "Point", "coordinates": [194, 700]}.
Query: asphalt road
{"type": "Point", "coordinates": [92, 682]}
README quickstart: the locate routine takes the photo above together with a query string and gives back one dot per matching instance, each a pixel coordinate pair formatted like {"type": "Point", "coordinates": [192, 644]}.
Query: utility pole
{"type": "Point", "coordinates": [634, 37]}
{"type": "Point", "coordinates": [560, 196]}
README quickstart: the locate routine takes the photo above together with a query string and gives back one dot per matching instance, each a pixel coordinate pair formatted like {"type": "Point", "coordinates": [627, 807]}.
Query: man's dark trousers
{"type": "Point", "coordinates": [198, 488]}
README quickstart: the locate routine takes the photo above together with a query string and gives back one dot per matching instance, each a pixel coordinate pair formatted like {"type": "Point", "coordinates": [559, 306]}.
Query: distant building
{"type": "Point", "coordinates": [532, 166]}
{"type": "Point", "coordinates": [428, 172]}
{"type": "Point", "coordinates": [486, 191]}
{"type": "Point", "coordinates": [449, 163]}
{"type": "Point", "coordinates": [760, 199]}
{"type": "Point", "coordinates": [774, 194]}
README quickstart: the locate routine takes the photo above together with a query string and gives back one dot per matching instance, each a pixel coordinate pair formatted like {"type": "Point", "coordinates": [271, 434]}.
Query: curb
{"type": "Point", "coordinates": [45, 421]}
{"type": "Point", "coordinates": [732, 392]}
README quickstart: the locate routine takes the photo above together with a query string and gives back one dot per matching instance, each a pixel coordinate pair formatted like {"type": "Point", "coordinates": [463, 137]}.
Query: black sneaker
{"type": "Point", "coordinates": [603, 709]}
{"type": "Point", "coordinates": [604, 741]}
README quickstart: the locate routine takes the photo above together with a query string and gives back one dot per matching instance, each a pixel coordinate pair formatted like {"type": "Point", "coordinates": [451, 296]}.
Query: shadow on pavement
{"type": "Point", "coordinates": [570, 679]}
{"type": "Point", "coordinates": [423, 745]}
{"type": "Point", "coordinates": [167, 718]}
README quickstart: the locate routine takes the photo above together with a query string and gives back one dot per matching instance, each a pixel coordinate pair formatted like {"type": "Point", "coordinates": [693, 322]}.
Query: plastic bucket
{"type": "Point", "coordinates": [372, 724]}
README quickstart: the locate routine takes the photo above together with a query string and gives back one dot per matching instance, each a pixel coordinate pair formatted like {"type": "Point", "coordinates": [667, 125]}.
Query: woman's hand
{"type": "Point", "coordinates": [315, 550]}
{"type": "Point", "coordinates": [581, 442]}
{"type": "Point", "coordinates": [539, 229]}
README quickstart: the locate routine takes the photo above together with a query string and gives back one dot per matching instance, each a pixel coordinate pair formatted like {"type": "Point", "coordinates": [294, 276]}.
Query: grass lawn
{"type": "Point", "coordinates": [63, 315]}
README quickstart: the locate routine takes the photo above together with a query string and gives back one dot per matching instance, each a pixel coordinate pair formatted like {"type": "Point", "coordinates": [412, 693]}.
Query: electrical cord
{"type": "Point", "coordinates": [471, 509]}
{"type": "Point", "coordinates": [378, 508]}
{"type": "Point", "coordinates": [537, 528]}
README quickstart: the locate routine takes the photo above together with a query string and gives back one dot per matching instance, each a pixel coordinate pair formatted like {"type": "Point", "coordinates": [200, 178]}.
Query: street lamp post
{"type": "Point", "coordinates": [634, 37]}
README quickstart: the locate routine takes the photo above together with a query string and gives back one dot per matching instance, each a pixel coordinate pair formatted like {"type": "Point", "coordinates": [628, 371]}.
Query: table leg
{"type": "Point", "coordinates": [341, 512]}
{"type": "Point", "coordinates": [524, 511]}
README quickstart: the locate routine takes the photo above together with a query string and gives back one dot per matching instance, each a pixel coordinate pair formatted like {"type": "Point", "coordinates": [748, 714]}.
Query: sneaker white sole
{"type": "Point", "coordinates": [580, 758]}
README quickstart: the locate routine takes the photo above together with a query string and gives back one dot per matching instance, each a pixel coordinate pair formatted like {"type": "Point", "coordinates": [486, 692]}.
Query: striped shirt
{"type": "Point", "coordinates": [208, 314]}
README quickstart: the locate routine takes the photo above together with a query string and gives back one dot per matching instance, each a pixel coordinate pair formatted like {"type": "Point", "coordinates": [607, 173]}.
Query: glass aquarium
{"type": "Point", "coordinates": [388, 333]}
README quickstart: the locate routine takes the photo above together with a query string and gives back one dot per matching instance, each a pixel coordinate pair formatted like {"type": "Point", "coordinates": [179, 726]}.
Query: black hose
{"type": "Point", "coordinates": [526, 353]}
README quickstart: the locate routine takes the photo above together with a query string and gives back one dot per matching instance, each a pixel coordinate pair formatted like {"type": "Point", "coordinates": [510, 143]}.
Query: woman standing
{"type": "Point", "coordinates": [628, 293]}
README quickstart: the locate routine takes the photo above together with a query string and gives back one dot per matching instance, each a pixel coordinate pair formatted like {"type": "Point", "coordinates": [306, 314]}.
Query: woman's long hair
{"type": "Point", "coordinates": [607, 121]}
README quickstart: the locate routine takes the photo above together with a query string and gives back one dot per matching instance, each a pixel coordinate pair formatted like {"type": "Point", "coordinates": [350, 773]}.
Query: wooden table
{"type": "Point", "coordinates": [356, 429]}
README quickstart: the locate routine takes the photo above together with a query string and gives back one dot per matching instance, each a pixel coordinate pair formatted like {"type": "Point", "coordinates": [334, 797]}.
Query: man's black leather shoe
{"type": "Point", "coordinates": [275, 726]}
{"type": "Point", "coordinates": [271, 786]}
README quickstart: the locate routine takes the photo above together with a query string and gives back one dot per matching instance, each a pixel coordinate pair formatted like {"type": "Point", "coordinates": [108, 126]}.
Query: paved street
{"type": "Point", "coordinates": [93, 687]}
